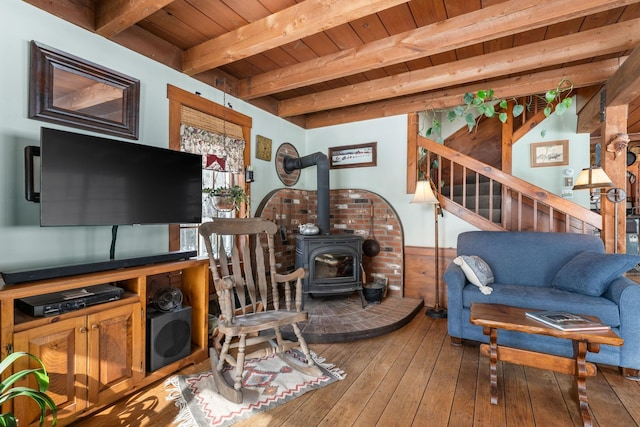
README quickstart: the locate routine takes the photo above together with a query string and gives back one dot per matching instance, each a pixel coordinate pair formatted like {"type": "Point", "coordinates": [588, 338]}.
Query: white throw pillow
{"type": "Point", "coordinates": [477, 271]}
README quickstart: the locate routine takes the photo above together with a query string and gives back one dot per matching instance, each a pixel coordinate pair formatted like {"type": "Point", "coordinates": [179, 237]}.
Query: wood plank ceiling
{"type": "Point", "coordinates": [323, 62]}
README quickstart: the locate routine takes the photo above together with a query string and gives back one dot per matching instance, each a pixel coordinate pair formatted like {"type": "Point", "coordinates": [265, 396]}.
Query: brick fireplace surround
{"type": "Point", "coordinates": [349, 214]}
{"type": "Point", "coordinates": [344, 319]}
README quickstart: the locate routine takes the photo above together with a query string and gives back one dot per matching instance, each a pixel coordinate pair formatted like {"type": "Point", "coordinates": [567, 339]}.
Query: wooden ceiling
{"type": "Point", "coordinates": [324, 62]}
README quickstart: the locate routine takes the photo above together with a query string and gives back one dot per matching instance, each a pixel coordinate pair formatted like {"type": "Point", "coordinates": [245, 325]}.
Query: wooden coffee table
{"type": "Point", "coordinates": [496, 316]}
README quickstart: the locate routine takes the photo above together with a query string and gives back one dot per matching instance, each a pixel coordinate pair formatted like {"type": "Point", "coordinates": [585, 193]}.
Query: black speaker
{"type": "Point", "coordinates": [168, 337]}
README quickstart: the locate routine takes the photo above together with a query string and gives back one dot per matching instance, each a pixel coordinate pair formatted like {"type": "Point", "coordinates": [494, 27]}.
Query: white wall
{"type": "Point", "coordinates": [551, 178]}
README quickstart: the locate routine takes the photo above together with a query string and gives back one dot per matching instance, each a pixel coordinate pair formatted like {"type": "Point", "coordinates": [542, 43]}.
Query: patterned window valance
{"type": "Point", "coordinates": [204, 134]}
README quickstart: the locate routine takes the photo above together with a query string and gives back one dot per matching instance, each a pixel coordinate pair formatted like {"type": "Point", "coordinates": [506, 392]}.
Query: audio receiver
{"type": "Point", "coordinates": [57, 303]}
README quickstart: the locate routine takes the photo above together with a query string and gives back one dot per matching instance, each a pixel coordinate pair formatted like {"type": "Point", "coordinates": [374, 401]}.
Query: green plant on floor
{"type": "Point", "coordinates": [8, 391]}
{"type": "Point", "coordinates": [482, 103]}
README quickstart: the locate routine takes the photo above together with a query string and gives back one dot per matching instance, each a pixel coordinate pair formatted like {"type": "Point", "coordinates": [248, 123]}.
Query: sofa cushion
{"type": "Point", "coordinates": [590, 272]}
{"type": "Point", "coordinates": [523, 257]}
{"type": "Point", "coordinates": [477, 271]}
{"type": "Point", "coordinates": [546, 298]}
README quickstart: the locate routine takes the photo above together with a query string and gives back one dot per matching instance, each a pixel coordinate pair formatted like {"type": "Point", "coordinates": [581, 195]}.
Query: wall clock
{"type": "Point", "coordinates": [286, 150]}
{"type": "Point", "coordinates": [263, 148]}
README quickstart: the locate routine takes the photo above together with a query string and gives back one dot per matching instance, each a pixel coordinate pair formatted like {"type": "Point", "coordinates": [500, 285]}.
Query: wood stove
{"type": "Point", "coordinates": [332, 261]}
{"type": "Point", "coordinates": [333, 264]}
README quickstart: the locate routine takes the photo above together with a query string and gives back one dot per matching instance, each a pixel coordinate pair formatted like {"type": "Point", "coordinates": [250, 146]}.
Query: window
{"type": "Point", "coordinates": [190, 110]}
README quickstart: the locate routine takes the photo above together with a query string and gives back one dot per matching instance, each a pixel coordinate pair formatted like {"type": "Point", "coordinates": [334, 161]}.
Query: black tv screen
{"type": "Point", "coordinates": [87, 180]}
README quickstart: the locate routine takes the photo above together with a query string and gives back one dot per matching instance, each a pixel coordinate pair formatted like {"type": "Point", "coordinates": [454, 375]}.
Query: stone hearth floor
{"type": "Point", "coordinates": [342, 318]}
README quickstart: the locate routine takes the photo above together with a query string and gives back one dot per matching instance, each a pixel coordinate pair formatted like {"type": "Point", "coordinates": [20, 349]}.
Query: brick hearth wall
{"type": "Point", "coordinates": [349, 214]}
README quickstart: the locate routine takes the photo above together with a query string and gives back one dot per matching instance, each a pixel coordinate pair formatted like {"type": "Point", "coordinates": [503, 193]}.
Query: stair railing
{"type": "Point", "coordinates": [523, 206]}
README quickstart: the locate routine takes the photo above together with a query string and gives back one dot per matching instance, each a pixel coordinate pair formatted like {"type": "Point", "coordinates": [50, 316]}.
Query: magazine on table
{"type": "Point", "coordinates": [566, 321]}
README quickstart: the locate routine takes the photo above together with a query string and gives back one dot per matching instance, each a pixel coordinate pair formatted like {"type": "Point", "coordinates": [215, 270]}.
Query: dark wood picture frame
{"type": "Point", "coordinates": [353, 156]}
{"type": "Point", "coordinates": [67, 90]}
{"type": "Point", "coordinates": [553, 153]}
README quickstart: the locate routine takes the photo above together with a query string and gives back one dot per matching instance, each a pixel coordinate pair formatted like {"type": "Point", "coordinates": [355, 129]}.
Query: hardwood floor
{"type": "Point", "coordinates": [415, 377]}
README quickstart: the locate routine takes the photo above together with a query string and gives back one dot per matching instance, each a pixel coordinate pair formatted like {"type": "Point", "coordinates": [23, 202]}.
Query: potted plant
{"type": "Point", "coordinates": [226, 199]}
{"type": "Point", "coordinates": [8, 391]}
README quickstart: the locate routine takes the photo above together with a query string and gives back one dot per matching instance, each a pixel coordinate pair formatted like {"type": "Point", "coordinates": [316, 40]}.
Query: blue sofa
{"type": "Point", "coordinates": [528, 268]}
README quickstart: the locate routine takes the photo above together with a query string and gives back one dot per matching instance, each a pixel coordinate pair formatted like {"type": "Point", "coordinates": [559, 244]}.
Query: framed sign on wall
{"type": "Point", "coordinates": [554, 153]}
{"type": "Point", "coordinates": [353, 156]}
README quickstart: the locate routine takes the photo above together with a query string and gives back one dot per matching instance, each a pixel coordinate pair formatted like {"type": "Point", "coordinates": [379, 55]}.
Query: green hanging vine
{"type": "Point", "coordinates": [482, 103]}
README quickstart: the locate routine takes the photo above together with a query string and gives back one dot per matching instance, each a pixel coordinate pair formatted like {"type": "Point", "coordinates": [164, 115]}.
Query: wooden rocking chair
{"type": "Point", "coordinates": [241, 322]}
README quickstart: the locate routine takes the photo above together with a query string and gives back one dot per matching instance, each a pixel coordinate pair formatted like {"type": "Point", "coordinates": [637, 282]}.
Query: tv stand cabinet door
{"type": "Point", "coordinates": [62, 346]}
{"type": "Point", "coordinates": [115, 352]}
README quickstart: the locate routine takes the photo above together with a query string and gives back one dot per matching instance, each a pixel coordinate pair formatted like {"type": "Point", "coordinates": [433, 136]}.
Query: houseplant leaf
{"type": "Point", "coordinates": [470, 120]}
{"type": "Point", "coordinates": [550, 95]}
{"type": "Point", "coordinates": [561, 108]}
{"type": "Point", "coordinates": [489, 111]}
{"type": "Point", "coordinates": [8, 391]}
{"type": "Point", "coordinates": [518, 110]}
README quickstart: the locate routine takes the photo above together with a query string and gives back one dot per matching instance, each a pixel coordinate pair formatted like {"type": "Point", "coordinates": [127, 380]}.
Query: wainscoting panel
{"type": "Point", "coordinates": [419, 278]}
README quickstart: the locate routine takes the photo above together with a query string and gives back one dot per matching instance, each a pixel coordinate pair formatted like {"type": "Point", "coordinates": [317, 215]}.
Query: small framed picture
{"type": "Point", "coordinates": [554, 153]}
{"type": "Point", "coordinates": [353, 156]}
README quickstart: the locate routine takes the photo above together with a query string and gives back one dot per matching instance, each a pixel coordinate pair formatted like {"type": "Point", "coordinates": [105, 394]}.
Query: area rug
{"type": "Point", "coordinates": [266, 383]}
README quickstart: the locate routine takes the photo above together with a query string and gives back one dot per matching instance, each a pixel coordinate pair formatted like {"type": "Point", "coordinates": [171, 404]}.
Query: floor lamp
{"type": "Point", "coordinates": [425, 194]}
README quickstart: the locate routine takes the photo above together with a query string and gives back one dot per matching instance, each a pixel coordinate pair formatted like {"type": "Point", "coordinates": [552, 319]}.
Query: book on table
{"type": "Point", "coordinates": [566, 321]}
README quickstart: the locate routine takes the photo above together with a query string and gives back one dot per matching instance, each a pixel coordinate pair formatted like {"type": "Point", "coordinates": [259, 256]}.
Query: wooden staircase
{"type": "Point", "coordinates": [472, 195]}
{"type": "Point", "coordinates": [493, 200]}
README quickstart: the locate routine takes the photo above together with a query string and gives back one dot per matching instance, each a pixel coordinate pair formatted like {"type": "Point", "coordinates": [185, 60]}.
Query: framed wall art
{"type": "Point", "coordinates": [70, 91]}
{"type": "Point", "coordinates": [353, 156]}
{"type": "Point", "coordinates": [554, 153]}
{"type": "Point", "coordinates": [263, 148]}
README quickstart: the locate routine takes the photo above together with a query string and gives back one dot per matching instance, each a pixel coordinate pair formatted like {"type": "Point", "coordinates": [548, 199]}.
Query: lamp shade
{"type": "Point", "coordinates": [424, 193]}
{"type": "Point", "coordinates": [592, 178]}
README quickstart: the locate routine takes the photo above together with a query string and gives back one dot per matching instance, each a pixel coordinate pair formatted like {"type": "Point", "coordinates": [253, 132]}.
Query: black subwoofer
{"type": "Point", "coordinates": [168, 337]}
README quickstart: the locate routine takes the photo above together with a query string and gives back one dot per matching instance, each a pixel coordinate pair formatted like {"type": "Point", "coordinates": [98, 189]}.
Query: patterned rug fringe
{"type": "Point", "coordinates": [329, 367]}
{"type": "Point", "coordinates": [184, 418]}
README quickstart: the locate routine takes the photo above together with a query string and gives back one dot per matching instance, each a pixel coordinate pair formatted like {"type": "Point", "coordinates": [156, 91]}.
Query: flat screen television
{"type": "Point", "coordinates": [90, 181]}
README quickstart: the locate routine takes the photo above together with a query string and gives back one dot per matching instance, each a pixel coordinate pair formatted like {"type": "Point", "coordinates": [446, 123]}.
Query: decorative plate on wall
{"type": "Point", "coordinates": [284, 150]}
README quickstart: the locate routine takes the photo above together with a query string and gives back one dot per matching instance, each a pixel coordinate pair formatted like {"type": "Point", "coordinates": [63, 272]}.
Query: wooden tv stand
{"type": "Point", "coordinates": [96, 355]}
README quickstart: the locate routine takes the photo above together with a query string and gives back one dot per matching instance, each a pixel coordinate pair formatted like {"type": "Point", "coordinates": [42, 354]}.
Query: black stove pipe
{"type": "Point", "coordinates": [319, 159]}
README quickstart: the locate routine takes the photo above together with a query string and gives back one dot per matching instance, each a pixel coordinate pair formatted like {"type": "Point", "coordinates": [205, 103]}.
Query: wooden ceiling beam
{"type": "Point", "coordinates": [114, 16]}
{"type": "Point", "coordinates": [589, 115]}
{"type": "Point", "coordinates": [288, 25]}
{"type": "Point", "coordinates": [145, 43]}
{"type": "Point", "coordinates": [581, 75]}
{"type": "Point", "coordinates": [489, 23]}
{"type": "Point", "coordinates": [624, 86]}
{"type": "Point", "coordinates": [573, 47]}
